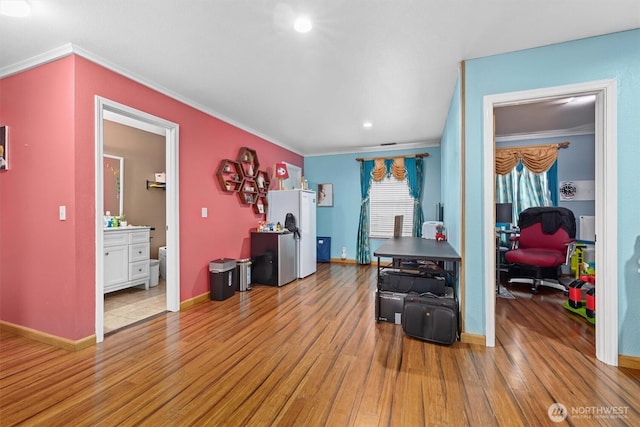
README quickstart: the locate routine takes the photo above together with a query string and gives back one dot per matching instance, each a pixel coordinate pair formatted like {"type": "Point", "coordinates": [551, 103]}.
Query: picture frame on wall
{"type": "Point", "coordinates": [4, 159]}
{"type": "Point", "coordinates": [325, 194]}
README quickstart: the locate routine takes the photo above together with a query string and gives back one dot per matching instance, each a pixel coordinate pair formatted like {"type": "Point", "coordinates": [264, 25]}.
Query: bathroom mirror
{"type": "Point", "coordinates": [113, 170]}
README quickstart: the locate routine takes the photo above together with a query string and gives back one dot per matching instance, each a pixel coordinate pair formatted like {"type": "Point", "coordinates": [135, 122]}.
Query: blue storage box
{"type": "Point", "coordinates": [323, 249]}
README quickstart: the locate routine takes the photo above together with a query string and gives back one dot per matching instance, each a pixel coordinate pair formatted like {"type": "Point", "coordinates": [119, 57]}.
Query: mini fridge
{"type": "Point", "coordinates": [273, 258]}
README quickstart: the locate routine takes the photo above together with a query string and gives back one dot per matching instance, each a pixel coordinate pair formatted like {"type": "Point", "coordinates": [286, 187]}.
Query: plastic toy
{"type": "Point", "coordinates": [585, 307]}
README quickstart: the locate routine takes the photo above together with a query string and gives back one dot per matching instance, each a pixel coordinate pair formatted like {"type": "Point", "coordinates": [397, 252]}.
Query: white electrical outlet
{"type": "Point", "coordinates": [205, 212]}
{"type": "Point", "coordinates": [63, 213]}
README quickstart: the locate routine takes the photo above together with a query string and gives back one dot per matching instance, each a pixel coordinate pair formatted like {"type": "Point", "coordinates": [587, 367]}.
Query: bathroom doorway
{"type": "Point", "coordinates": [137, 184]}
{"type": "Point", "coordinates": [159, 139]}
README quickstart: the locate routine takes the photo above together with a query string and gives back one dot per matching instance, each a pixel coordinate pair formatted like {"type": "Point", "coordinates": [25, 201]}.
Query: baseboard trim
{"type": "Point", "coordinates": [632, 362]}
{"type": "Point", "coordinates": [344, 261]}
{"type": "Point", "coordinates": [192, 302]}
{"type": "Point", "coordinates": [45, 338]}
{"type": "Point", "coordinates": [473, 339]}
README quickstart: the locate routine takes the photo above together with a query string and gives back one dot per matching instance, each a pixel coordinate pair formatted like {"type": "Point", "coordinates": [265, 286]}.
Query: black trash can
{"type": "Point", "coordinates": [323, 253]}
{"type": "Point", "coordinates": [223, 279]}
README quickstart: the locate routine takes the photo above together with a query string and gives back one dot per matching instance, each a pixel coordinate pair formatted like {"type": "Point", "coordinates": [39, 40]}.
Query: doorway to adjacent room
{"type": "Point", "coordinates": [606, 203]}
{"type": "Point", "coordinates": [147, 122]}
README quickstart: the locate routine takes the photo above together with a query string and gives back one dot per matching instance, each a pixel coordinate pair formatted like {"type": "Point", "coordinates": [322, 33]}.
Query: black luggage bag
{"type": "Point", "coordinates": [397, 281]}
{"type": "Point", "coordinates": [431, 318]}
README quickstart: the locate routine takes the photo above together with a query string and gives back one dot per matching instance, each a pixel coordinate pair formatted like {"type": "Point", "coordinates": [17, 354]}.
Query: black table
{"type": "Point", "coordinates": [417, 248]}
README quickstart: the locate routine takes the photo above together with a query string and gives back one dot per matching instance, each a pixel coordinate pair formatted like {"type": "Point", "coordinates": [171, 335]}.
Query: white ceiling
{"type": "Point", "coordinates": [393, 62]}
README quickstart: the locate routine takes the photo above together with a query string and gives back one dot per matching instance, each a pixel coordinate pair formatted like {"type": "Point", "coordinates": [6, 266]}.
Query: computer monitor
{"type": "Point", "coordinates": [504, 213]}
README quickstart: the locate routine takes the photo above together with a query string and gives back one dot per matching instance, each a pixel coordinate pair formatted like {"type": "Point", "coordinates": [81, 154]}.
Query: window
{"type": "Point", "coordinates": [388, 198]}
{"type": "Point", "coordinates": [526, 189]}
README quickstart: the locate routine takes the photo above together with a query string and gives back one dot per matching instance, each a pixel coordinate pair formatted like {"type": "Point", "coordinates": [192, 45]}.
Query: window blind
{"type": "Point", "coordinates": [388, 198]}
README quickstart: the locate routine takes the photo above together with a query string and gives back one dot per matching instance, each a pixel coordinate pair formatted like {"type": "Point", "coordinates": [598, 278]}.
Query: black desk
{"type": "Point", "coordinates": [417, 248]}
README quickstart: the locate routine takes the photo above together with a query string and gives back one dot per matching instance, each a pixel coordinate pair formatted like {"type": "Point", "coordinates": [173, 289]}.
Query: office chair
{"type": "Point", "coordinates": [541, 247]}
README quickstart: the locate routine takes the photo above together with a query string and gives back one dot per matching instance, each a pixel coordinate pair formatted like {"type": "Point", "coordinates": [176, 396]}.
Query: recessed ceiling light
{"type": "Point", "coordinates": [15, 8]}
{"type": "Point", "coordinates": [302, 24]}
{"type": "Point", "coordinates": [367, 125]}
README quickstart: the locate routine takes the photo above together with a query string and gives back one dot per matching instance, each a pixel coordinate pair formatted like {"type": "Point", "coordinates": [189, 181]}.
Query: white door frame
{"type": "Point", "coordinates": [606, 205]}
{"type": "Point", "coordinates": [170, 130]}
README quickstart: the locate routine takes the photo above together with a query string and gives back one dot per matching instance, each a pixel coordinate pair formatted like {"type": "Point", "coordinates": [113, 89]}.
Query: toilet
{"type": "Point", "coordinates": [162, 256]}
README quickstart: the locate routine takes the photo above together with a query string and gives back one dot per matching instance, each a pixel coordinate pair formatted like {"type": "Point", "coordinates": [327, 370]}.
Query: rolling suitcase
{"type": "Point", "coordinates": [431, 318]}
{"type": "Point", "coordinates": [396, 281]}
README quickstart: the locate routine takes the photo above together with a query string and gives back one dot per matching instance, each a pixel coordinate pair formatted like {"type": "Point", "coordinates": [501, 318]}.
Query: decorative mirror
{"type": "Point", "coordinates": [113, 170]}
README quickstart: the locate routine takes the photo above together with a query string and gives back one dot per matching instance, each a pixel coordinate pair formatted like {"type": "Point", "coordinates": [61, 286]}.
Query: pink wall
{"type": "Point", "coordinates": [47, 266]}
{"type": "Point", "coordinates": [37, 280]}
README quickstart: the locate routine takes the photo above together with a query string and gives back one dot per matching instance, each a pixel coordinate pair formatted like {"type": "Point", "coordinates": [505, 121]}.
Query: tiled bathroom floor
{"type": "Point", "coordinates": [122, 308]}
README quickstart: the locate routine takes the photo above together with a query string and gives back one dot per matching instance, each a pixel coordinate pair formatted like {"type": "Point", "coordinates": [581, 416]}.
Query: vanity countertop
{"type": "Point", "coordinates": [128, 227]}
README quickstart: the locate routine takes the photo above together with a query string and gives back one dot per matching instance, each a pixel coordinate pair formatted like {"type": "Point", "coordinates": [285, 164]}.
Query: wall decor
{"type": "Point", "coordinates": [243, 177]}
{"type": "Point", "coordinates": [4, 159]}
{"type": "Point", "coordinates": [577, 190]}
{"type": "Point", "coordinates": [325, 194]}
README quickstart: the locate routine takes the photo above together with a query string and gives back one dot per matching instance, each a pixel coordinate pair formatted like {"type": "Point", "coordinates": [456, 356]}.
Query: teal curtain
{"type": "Point", "coordinates": [524, 189]}
{"type": "Point", "coordinates": [415, 178]}
{"type": "Point", "coordinates": [552, 182]}
{"type": "Point", "coordinates": [363, 251]}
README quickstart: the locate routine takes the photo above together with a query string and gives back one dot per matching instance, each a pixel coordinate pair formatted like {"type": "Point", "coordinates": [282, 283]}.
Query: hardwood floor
{"type": "Point", "coordinates": [310, 353]}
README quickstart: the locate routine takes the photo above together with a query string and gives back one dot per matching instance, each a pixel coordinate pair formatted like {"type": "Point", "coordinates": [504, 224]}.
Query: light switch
{"type": "Point", "coordinates": [205, 212]}
{"type": "Point", "coordinates": [63, 213]}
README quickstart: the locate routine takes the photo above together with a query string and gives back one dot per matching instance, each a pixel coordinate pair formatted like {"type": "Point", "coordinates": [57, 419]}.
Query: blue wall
{"type": "Point", "coordinates": [614, 56]}
{"type": "Point", "coordinates": [340, 222]}
{"type": "Point", "coordinates": [575, 163]}
{"type": "Point", "coordinates": [451, 168]}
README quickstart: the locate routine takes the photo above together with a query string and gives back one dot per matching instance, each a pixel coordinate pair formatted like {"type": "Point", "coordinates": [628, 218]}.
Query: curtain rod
{"type": "Point", "coordinates": [361, 159]}
{"type": "Point", "coordinates": [564, 144]}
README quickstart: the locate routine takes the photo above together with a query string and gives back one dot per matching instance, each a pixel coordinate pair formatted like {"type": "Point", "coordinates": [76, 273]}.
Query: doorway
{"type": "Point", "coordinates": [128, 183]}
{"type": "Point", "coordinates": [606, 204]}
{"type": "Point", "coordinates": [138, 119]}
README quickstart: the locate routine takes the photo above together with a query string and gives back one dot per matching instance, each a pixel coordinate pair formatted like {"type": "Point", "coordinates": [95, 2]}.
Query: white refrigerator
{"type": "Point", "coordinates": [302, 204]}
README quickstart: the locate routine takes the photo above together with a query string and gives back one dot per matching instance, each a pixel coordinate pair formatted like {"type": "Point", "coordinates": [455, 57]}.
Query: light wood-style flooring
{"type": "Point", "coordinates": [311, 354]}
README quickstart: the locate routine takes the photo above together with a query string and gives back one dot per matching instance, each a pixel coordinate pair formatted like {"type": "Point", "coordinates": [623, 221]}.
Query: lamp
{"type": "Point", "coordinates": [281, 172]}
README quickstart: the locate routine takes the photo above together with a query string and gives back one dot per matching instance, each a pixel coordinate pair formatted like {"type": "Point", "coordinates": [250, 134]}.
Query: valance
{"type": "Point", "coordinates": [537, 158]}
{"type": "Point", "coordinates": [384, 166]}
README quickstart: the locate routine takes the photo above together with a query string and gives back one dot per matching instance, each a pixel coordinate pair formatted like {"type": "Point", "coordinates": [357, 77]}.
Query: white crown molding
{"type": "Point", "coordinates": [43, 58]}
{"type": "Point", "coordinates": [378, 148]}
{"type": "Point", "coordinates": [588, 129]}
{"type": "Point", "coordinates": [69, 49]}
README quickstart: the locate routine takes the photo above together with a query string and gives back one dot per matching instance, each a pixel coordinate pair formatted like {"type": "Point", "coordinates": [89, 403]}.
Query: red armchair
{"type": "Point", "coordinates": [541, 248]}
